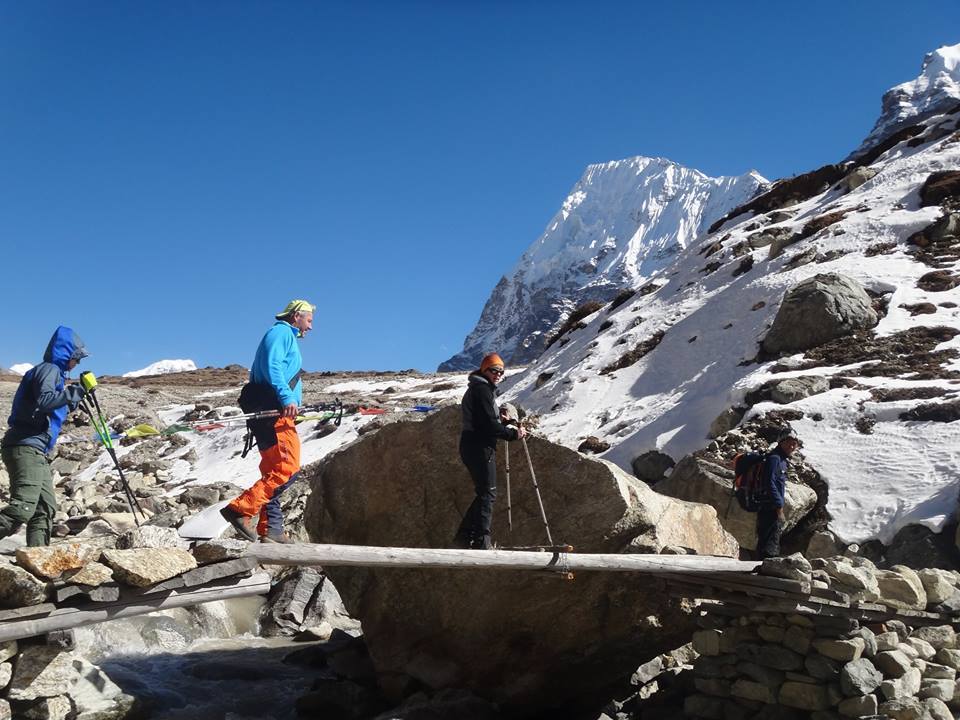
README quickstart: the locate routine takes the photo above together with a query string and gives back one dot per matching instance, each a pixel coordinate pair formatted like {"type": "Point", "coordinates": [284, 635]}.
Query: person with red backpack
{"type": "Point", "coordinates": [773, 491]}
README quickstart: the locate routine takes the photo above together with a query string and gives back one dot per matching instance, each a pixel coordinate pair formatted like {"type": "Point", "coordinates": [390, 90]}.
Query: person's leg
{"type": "Point", "coordinates": [470, 527]}
{"type": "Point", "coordinates": [486, 494]}
{"type": "Point", "coordinates": [768, 533]}
{"type": "Point", "coordinates": [277, 464]}
{"type": "Point", "coordinates": [271, 516]}
{"type": "Point", "coordinates": [29, 470]}
{"type": "Point", "coordinates": [40, 526]}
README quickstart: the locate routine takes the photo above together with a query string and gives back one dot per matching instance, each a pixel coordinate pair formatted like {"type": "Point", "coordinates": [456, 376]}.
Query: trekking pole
{"type": "Point", "coordinates": [506, 459]}
{"type": "Point", "coordinates": [533, 476]}
{"type": "Point", "coordinates": [89, 383]}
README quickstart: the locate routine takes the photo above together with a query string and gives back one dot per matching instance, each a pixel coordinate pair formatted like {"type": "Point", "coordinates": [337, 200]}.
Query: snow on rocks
{"type": "Point", "coordinates": [709, 311]}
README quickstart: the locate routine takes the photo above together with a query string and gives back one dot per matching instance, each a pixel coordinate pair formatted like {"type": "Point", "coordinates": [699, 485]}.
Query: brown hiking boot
{"type": "Point", "coordinates": [243, 524]}
{"type": "Point", "coordinates": [280, 537]}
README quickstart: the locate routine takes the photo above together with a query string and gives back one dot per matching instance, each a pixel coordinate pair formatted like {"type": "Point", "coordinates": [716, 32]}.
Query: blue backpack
{"type": "Point", "coordinates": [747, 487]}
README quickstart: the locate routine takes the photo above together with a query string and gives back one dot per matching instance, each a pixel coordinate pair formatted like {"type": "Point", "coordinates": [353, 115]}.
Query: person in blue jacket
{"type": "Point", "coordinates": [40, 406]}
{"type": "Point", "coordinates": [274, 385]}
{"type": "Point", "coordinates": [773, 483]}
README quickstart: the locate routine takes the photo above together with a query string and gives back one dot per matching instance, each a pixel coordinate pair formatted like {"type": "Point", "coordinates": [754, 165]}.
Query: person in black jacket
{"type": "Point", "coordinates": [773, 480]}
{"type": "Point", "coordinates": [482, 427]}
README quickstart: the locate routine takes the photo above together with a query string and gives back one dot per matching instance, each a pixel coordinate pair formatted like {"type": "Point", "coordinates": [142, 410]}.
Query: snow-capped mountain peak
{"type": "Point", "coordinates": [163, 367]}
{"type": "Point", "coordinates": [936, 89]}
{"type": "Point", "coordinates": [623, 221]}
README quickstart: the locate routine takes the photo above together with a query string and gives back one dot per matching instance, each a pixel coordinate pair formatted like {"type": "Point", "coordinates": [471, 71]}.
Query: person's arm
{"type": "Point", "coordinates": [772, 472]}
{"type": "Point", "coordinates": [45, 379]}
{"type": "Point", "coordinates": [491, 420]}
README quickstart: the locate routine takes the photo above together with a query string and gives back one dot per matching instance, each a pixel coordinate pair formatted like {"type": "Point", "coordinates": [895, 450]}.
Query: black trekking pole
{"type": "Point", "coordinates": [89, 383]}
{"type": "Point", "coordinates": [506, 460]}
{"type": "Point", "coordinates": [533, 476]}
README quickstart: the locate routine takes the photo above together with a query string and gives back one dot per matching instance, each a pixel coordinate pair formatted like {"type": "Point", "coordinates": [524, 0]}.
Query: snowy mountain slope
{"type": "Point", "coordinates": [20, 368]}
{"type": "Point", "coordinates": [712, 320]}
{"type": "Point", "coordinates": [935, 90]}
{"type": "Point", "coordinates": [163, 367]}
{"type": "Point", "coordinates": [622, 222]}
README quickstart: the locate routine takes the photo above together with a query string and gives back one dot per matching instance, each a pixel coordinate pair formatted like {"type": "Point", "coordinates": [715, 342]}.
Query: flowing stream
{"type": "Point", "coordinates": [201, 663]}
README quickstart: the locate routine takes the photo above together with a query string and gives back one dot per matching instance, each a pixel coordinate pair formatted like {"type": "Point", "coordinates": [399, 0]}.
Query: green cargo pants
{"type": "Point", "coordinates": [31, 495]}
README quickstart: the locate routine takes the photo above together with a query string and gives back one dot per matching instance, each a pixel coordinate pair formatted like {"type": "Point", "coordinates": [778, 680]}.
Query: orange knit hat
{"type": "Point", "coordinates": [490, 360]}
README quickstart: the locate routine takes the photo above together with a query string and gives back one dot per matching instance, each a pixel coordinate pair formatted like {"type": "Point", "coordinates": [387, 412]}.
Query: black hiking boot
{"type": "Point", "coordinates": [482, 543]}
{"type": "Point", "coordinates": [462, 543]}
{"type": "Point", "coordinates": [243, 524]}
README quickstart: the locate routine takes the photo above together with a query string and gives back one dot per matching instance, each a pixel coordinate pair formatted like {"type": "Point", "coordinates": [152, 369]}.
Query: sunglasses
{"type": "Point", "coordinates": [495, 371]}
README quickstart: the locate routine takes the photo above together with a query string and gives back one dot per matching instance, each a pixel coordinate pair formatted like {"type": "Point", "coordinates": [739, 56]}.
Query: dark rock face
{"type": "Point", "coordinates": [819, 309]}
{"type": "Point", "coordinates": [523, 639]}
{"type": "Point", "coordinates": [940, 187]}
{"type": "Point", "coordinates": [787, 192]}
{"type": "Point", "coordinates": [652, 466]}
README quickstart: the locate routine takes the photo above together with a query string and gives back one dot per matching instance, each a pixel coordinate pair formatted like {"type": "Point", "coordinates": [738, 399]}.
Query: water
{"type": "Point", "coordinates": [201, 663]}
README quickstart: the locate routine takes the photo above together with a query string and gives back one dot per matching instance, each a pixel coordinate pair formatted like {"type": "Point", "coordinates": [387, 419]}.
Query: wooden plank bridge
{"type": "Point", "coordinates": [722, 585]}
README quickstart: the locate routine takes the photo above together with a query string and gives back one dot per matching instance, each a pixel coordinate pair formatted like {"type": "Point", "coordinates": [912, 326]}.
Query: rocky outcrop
{"type": "Point", "coordinates": [701, 481]}
{"type": "Point", "coordinates": [819, 309]}
{"type": "Point", "coordinates": [522, 639]}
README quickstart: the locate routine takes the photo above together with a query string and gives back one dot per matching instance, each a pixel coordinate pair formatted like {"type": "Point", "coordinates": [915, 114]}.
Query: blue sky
{"type": "Point", "coordinates": [172, 173]}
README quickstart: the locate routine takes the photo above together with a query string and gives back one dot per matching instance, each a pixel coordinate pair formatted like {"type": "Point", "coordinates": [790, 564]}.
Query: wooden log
{"type": "Point", "coordinates": [27, 611]}
{"type": "Point", "coordinates": [65, 618]}
{"type": "Point", "coordinates": [330, 555]}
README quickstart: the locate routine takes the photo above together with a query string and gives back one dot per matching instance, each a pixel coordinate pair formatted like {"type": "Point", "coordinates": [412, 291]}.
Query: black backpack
{"type": "Point", "coordinates": [747, 487]}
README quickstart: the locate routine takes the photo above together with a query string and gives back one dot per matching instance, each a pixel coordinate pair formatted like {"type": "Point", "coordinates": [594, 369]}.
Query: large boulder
{"type": "Point", "coordinates": [819, 309]}
{"type": "Point", "coordinates": [697, 480]}
{"type": "Point", "coordinates": [523, 639]}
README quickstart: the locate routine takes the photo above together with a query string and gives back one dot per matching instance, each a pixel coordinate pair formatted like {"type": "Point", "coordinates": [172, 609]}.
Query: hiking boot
{"type": "Point", "coordinates": [462, 543]}
{"type": "Point", "coordinates": [280, 537]}
{"type": "Point", "coordinates": [243, 524]}
{"type": "Point", "coordinates": [482, 543]}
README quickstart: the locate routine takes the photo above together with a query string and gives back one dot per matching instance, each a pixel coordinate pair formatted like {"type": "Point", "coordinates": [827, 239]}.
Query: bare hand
{"type": "Point", "coordinates": [290, 411]}
{"type": "Point", "coordinates": [521, 432]}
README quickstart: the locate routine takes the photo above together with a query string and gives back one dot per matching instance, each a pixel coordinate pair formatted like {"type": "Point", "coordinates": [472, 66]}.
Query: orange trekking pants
{"type": "Point", "coordinates": [277, 464]}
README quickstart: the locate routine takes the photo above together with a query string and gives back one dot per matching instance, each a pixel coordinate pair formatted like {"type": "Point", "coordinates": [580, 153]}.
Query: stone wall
{"type": "Point", "coordinates": [788, 664]}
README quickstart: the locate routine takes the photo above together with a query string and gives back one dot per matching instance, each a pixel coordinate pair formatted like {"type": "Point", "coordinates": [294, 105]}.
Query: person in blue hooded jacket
{"type": "Point", "coordinates": [39, 408]}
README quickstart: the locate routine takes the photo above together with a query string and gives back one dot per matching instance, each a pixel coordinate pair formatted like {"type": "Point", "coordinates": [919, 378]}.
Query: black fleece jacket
{"type": "Point", "coordinates": [481, 419]}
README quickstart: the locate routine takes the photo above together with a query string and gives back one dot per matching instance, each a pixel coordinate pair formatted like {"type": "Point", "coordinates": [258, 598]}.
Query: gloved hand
{"type": "Point", "coordinates": [75, 394]}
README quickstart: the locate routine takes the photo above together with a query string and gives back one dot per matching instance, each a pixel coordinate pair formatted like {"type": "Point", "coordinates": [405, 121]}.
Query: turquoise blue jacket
{"type": "Point", "coordinates": [278, 361]}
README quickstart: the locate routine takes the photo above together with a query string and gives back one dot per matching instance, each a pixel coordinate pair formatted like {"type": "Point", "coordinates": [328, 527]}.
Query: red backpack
{"type": "Point", "coordinates": [747, 487]}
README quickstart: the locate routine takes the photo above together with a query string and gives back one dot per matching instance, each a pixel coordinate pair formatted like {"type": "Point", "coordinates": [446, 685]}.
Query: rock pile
{"type": "Point", "coordinates": [793, 665]}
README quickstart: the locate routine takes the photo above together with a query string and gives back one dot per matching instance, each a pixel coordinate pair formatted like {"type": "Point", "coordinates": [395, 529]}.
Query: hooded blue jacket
{"type": "Point", "coordinates": [43, 398]}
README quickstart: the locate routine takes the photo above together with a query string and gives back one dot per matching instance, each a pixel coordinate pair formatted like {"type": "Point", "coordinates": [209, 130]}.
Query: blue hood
{"type": "Point", "coordinates": [64, 346]}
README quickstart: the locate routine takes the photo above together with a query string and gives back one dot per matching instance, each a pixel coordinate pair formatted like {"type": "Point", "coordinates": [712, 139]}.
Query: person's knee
{"type": "Point", "coordinates": [19, 512]}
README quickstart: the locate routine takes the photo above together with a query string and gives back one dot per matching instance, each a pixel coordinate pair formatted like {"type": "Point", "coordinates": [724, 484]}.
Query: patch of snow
{"type": "Point", "coordinates": [163, 367]}
{"type": "Point", "coordinates": [20, 368]}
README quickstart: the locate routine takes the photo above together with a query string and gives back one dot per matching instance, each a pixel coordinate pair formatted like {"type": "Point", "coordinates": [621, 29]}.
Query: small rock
{"type": "Point", "coordinates": [151, 536]}
{"type": "Point", "coordinates": [18, 588]}
{"type": "Point", "coordinates": [147, 566]}
{"type": "Point", "coordinates": [217, 550]}
{"type": "Point", "coordinates": [859, 677]}
{"type": "Point", "coordinates": [48, 563]}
